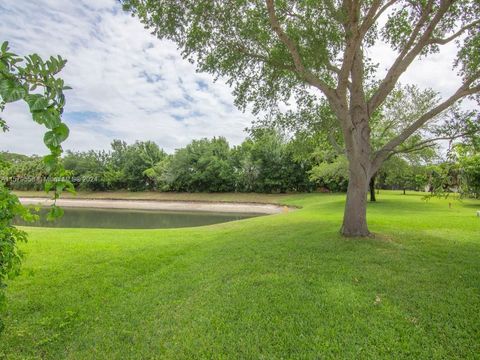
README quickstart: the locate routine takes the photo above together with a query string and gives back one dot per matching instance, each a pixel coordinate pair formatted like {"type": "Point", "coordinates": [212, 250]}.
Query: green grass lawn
{"type": "Point", "coordinates": [284, 286]}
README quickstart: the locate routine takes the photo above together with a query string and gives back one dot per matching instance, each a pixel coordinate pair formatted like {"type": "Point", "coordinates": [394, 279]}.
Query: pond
{"type": "Point", "coordinates": [133, 219]}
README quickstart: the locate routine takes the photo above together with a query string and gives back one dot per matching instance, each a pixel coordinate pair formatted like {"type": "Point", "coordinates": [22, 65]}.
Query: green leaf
{"type": "Point", "coordinates": [55, 137]}
{"type": "Point", "coordinates": [48, 117]}
{"type": "Point", "coordinates": [3, 125]}
{"type": "Point", "coordinates": [50, 139]}
{"type": "Point", "coordinates": [4, 47]}
{"type": "Point", "coordinates": [36, 102]}
{"type": "Point", "coordinates": [40, 117]}
{"type": "Point", "coordinates": [11, 91]}
{"type": "Point", "coordinates": [49, 185]}
{"type": "Point", "coordinates": [62, 131]}
{"type": "Point", "coordinates": [55, 213]}
{"type": "Point", "coordinates": [52, 121]}
{"type": "Point", "coordinates": [70, 188]}
{"type": "Point", "coordinates": [50, 162]}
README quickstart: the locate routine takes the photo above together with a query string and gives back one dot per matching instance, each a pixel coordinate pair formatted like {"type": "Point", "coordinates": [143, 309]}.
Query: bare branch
{"type": "Point", "coordinates": [382, 10]}
{"type": "Point", "coordinates": [295, 15]}
{"type": "Point", "coordinates": [443, 41]}
{"type": "Point", "coordinates": [335, 145]}
{"type": "Point", "coordinates": [373, 15]}
{"type": "Point", "coordinates": [264, 59]}
{"type": "Point", "coordinates": [408, 151]}
{"type": "Point", "coordinates": [426, 143]}
{"type": "Point", "coordinates": [387, 128]}
{"type": "Point", "coordinates": [293, 50]}
{"type": "Point", "coordinates": [332, 67]}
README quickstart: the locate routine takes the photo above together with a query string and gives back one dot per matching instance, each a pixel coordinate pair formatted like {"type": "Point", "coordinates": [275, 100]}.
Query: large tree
{"type": "Point", "coordinates": [276, 50]}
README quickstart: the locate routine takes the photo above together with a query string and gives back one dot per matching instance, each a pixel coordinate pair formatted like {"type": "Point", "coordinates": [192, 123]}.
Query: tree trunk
{"type": "Point", "coordinates": [355, 216]}
{"type": "Point", "coordinates": [356, 131]}
{"type": "Point", "coordinates": [373, 198]}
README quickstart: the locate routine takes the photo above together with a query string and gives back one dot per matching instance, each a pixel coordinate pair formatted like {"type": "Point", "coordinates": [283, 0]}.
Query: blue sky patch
{"type": "Point", "coordinates": [81, 116]}
{"type": "Point", "coordinates": [178, 117]}
{"type": "Point", "coordinates": [178, 104]}
{"type": "Point", "coordinates": [202, 85]}
{"type": "Point", "coordinates": [151, 78]}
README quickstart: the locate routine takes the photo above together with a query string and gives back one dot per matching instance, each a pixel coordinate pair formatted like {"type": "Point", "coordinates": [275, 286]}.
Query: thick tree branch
{"type": "Point", "coordinates": [353, 41]}
{"type": "Point", "coordinates": [412, 48]}
{"type": "Point", "coordinates": [332, 67]}
{"type": "Point", "coordinates": [296, 57]}
{"type": "Point", "coordinates": [371, 13]}
{"type": "Point", "coordinates": [383, 153]}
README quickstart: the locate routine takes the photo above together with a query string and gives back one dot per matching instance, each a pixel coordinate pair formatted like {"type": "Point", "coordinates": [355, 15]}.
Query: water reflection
{"type": "Point", "coordinates": [133, 219]}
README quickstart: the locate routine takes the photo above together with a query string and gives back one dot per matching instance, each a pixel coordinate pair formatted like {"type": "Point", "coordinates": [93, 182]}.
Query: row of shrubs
{"type": "Point", "coordinates": [265, 162]}
{"type": "Point", "coordinates": [262, 163]}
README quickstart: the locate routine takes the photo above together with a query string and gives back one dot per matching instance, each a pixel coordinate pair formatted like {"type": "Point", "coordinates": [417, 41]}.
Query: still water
{"type": "Point", "coordinates": [133, 219]}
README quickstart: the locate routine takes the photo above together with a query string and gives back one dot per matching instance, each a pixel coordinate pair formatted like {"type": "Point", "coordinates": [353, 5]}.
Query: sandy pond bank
{"type": "Point", "coordinates": [160, 205]}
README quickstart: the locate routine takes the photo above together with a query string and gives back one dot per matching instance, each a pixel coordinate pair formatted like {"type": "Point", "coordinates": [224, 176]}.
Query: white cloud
{"type": "Point", "coordinates": [138, 86]}
{"type": "Point", "coordinates": [434, 71]}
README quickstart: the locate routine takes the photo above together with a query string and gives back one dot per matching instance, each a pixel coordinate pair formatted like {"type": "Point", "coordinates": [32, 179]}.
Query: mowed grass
{"type": "Point", "coordinates": [285, 286]}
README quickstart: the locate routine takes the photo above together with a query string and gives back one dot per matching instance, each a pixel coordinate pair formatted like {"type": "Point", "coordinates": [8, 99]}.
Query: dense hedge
{"type": "Point", "coordinates": [262, 163]}
{"type": "Point", "coordinates": [265, 162]}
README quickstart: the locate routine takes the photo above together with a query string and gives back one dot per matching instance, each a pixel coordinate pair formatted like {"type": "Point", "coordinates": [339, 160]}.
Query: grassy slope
{"type": "Point", "coordinates": [282, 286]}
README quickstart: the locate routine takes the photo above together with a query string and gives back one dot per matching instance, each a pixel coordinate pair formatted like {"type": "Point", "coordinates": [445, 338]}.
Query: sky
{"type": "Point", "coordinates": [129, 85]}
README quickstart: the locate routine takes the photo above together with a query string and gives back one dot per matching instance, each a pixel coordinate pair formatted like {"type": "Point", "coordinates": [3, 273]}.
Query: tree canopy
{"type": "Point", "coordinates": [276, 50]}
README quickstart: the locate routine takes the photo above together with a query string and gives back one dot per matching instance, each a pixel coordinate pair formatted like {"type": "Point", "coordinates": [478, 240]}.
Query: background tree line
{"type": "Point", "coordinates": [266, 161]}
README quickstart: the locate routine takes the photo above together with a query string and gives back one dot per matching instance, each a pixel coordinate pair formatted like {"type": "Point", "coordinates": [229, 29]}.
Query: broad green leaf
{"type": "Point", "coordinates": [50, 162]}
{"type": "Point", "coordinates": [36, 102]}
{"type": "Point", "coordinates": [49, 185]}
{"type": "Point", "coordinates": [55, 137]}
{"type": "Point", "coordinates": [52, 120]}
{"type": "Point", "coordinates": [70, 188]}
{"type": "Point", "coordinates": [50, 139]}
{"type": "Point", "coordinates": [61, 132]}
{"type": "Point", "coordinates": [11, 91]}
{"type": "Point", "coordinates": [48, 117]}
